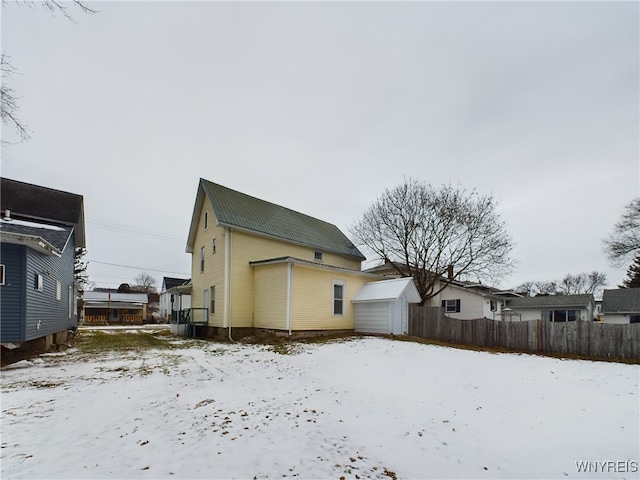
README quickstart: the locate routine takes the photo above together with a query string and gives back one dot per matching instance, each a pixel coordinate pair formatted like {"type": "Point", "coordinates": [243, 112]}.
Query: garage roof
{"type": "Point", "coordinates": [388, 290]}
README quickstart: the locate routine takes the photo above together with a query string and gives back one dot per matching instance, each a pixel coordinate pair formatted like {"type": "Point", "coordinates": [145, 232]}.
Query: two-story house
{"type": "Point", "coordinates": [257, 265]}
{"type": "Point", "coordinates": [40, 229]}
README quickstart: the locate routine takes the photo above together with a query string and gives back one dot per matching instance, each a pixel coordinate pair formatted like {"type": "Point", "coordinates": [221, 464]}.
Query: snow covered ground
{"type": "Point", "coordinates": [360, 408]}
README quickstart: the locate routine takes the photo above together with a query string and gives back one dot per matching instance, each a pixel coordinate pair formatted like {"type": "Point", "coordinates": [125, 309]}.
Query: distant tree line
{"type": "Point", "coordinates": [581, 283]}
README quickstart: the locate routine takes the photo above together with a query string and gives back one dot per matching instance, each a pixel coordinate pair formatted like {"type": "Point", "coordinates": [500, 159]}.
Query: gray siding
{"type": "Point", "coordinates": [12, 293]}
{"type": "Point", "coordinates": [46, 314]}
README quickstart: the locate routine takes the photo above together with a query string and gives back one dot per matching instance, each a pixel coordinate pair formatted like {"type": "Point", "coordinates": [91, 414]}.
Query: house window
{"type": "Point", "coordinates": [494, 305]}
{"type": "Point", "coordinates": [39, 282]}
{"type": "Point", "coordinates": [202, 260]}
{"type": "Point", "coordinates": [58, 290]}
{"type": "Point", "coordinates": [213, 301]}
{"type": "Point", "coordinates": [205, 299]}
{"type": "Point", "coordinates": [317, 255]}
{"type": "Point", "coordinates": [634, 318]}
{"type": "Point", "coordinates": [206, 219]}
{"type": "Point", "coordinates": [451, 306]}
{"type": "Point", "coordinates": [338, 297]}
{"type": "Point", "coordinates": [1, 274]}
{"type": "Point", "coordinates": [213, 245]}
{"type": "Point", "coordinates": [560, 315]}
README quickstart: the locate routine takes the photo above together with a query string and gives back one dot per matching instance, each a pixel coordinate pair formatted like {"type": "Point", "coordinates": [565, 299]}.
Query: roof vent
{"type": "Point", "coordinates": [7, 215]}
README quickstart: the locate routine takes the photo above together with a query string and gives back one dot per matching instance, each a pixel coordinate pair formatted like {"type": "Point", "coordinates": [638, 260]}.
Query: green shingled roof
{"type": "Point", "coordinates": [235, 209]}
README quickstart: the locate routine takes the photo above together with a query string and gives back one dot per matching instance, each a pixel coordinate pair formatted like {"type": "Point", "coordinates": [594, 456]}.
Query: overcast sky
{"type": "Point", "coordinates": [321, 106]}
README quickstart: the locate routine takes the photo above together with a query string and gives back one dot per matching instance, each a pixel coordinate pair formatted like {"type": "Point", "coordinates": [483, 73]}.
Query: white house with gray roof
{"type": "Point", "coordinates": [554, 308]}
{"type": "Point", "coordinates": [621, 305]}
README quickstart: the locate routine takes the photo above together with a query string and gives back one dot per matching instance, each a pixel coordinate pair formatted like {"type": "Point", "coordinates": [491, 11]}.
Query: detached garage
{"type": "Point", "coordinates": [383, 307]}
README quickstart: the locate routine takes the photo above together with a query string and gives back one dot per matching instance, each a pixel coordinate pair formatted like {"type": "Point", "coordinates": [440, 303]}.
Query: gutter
{"type": "Point", "coordinates": [289, 287]}
{"type": "Point", "coordinates": [227, 280]}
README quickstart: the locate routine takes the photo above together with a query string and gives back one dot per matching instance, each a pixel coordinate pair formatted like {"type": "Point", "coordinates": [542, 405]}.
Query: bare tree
{"type": "Point", "coordinates": [526, 289]}
{"type": "Point", "coordinates": [145, 283]}
{"type": "Point", "coordinates": [426, 232]}
{"type": "Point", "coordinates": [623, 244]}
{"type": "Point", "coordinates": [546, 288]}
{"type": "Point", "coordinates": [582, 283]}
{"type": "Point", "coordinates": [9, 105]}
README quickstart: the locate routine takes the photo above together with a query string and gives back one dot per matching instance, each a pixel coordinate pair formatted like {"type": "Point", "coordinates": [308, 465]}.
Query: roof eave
{"type": "Point", "coordinates": [33, 241]}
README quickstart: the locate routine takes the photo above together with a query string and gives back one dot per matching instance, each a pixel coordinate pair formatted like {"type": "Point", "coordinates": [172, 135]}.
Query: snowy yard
{"type": "Point", "coordinates": [360, 408]}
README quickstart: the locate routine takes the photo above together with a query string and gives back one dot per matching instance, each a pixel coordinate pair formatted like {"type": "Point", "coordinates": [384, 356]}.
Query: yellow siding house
{"type": "Point", "coordinates": [259, 265]}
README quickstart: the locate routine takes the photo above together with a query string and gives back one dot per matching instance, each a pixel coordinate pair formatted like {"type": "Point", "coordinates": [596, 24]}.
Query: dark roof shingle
{"type": "Point", "coordinates": [551, 301]}
{"type": "Point", "coordinates": [623, 300]}
{"type": "Point", "coordinates": [42, 204]}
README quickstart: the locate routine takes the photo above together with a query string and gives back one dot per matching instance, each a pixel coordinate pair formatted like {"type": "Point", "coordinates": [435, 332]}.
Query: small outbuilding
{"type": "Point", "coordinates": [383, 307]}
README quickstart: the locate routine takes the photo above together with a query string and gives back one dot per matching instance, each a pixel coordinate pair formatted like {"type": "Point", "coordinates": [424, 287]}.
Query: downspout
{"type": "Point", "coordinates": [289, 281]}
{"type": "Point", "coordinates": [225, 300]}
{"type": "Point", "coordinates": [228, 289]}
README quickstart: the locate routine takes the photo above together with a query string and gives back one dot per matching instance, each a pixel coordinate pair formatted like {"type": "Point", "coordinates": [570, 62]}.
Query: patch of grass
{"type": "Point", "coordinates": [92, 342]}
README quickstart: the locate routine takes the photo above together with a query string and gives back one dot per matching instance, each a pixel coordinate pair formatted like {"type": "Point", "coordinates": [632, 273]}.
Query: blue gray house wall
{"type": "Point", "coordinates": [12, 293]}
{"type": "Point", "coordinates": [43, 314]}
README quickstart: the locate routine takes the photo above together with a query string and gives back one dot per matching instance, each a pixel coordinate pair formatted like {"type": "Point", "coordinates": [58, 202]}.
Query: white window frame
{"type": "Point", "coordinates": [338, 283]}
{"type": "Point", "coordinates": [212, 300]}
{"type": "Point", "coordinates": [58, 290]}
{"type": "Point", "coordinates": [201, 259]}
{"type": "Point", "coordinates": [206, 219]}
{"type": "Point", "coordinates": [39, 282]}
{"type": "Point", "coordinates": [213, 245]}
{"type": "Point", "coordinates": [455, 302]}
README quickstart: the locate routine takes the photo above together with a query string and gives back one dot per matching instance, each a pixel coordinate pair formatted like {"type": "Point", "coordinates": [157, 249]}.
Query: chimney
{"type": "Point", "coordinates": [449, 272]}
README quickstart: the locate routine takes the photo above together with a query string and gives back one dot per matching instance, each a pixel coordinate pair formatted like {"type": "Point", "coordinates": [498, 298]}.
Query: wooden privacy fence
{"type": "Point", "coordinates": [587, 339]}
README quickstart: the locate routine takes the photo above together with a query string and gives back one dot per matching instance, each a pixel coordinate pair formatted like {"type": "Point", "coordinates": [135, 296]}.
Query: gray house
{"type": "Point", "coordinates": [621, 306]}
{"type": "Point", "coordinates": [40, 228]}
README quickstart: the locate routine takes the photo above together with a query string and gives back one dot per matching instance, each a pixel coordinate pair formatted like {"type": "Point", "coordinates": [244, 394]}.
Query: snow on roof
{"type": "Point", "coordinates": [388, 290]}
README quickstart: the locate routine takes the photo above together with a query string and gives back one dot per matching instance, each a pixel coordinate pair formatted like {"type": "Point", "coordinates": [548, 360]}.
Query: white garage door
{"type": "Point", "coordinates": [373, 317]}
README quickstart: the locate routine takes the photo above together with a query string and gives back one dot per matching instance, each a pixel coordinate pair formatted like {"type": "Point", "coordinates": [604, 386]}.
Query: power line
{"type": "Point", "coordinates": [136, 268]}
{"type": "Point", "coordinates": [136, 231]}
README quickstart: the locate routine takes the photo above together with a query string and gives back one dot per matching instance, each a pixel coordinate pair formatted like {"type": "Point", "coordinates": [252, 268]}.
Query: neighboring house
{"type": "Point", "coordinates": [554, 308]}
{"type": "Point", "coordinates": [621, 306]}
{"type": "Point", "coordinates": [383, 307]}
{"type": "Point", "coordinates": [259, 265]}
{"type": "Point", "coordinates": [39, 232]}
{"type": "Point", "coordinates": [469, 301]}
{"type": "Point", "coordinates": [107, 308]}
{"type": "Point", "coordinates": [175, 295]}
{"type": "Point", "coordinates": [460, 299]}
